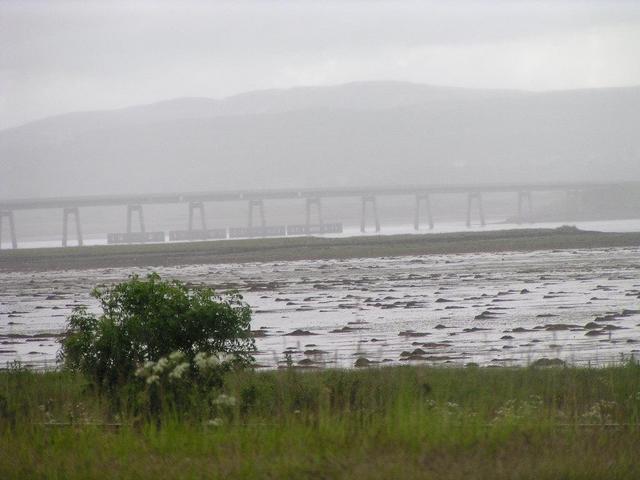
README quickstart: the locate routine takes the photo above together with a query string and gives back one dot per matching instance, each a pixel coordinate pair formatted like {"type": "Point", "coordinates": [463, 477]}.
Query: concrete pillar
{"type": "Point", "coordinates": [420, 198]}
{"type": "Point", "coordinates": [12, 227]}
{"type": "Point", "coordinates": [524, 199]}
{"type": "Point", "coordinates": [317, 201]}
{"type": "Point", "coordinates": [374, 205]}
{"type": "Point", "coordinates": [259, 204]}
{"type": "Point", "coordinates": [200, 207]}
{"type": "Point", "coordinates": [130, 210]}
{"type": "Point", "coordinates": [477, 196]}
{"type": "Point", "coordinates": [66, 212]}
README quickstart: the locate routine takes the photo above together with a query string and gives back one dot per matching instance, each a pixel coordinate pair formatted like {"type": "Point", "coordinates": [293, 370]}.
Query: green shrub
{"type": "Point", "coordinates": [144, 320]}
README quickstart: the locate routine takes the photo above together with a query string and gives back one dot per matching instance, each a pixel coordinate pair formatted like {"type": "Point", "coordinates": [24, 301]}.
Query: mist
{"type": "Point", "coordinates": [151, 97]}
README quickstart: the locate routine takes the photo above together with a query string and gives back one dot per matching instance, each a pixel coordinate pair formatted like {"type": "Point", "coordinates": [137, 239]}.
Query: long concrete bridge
{"type": "Point", "coordinates": [313, 197]}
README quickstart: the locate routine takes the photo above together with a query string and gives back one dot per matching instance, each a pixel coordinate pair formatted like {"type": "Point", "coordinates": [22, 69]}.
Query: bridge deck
{"type": "Point", "coordinates": [292, 193]}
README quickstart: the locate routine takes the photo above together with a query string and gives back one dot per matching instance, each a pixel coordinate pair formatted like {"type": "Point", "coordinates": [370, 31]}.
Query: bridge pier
{"type": "Point", "coordinates": [12, 227]}
{"type": "Point", "coordinates": [477, 196]}
{"type": "Point", "coordinates": [66, 212]}
{"type": "Point", "coordinates": [369, 199]}
{"type": "Point", "coordinates": [524, 198]}
{"type": "Point", "coordinates": [260, 205]}
{"type": "Point", "coordinates": [200, 207]}
{"type": "Point", "coordinates": [420, 198]}
{"type": "Point", "coordinates": [317, 202]}
{"type": "Point", "coordinates": [131, 209]}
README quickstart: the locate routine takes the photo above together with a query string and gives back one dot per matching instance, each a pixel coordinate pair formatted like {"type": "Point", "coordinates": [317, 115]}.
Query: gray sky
{"type": "Point", "coordinates": [62, 56]}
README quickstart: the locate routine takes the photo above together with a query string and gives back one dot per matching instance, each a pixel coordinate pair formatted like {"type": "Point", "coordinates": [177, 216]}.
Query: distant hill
{"type": "Point", "coordinates": [353, 134]}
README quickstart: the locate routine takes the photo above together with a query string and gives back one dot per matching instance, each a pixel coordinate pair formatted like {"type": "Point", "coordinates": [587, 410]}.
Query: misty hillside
{"type": "Point", "coordinates": [354, 134]}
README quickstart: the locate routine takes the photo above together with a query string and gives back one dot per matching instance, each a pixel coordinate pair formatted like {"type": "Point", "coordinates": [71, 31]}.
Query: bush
{"type": "Point", "coordinates": [144, 320]}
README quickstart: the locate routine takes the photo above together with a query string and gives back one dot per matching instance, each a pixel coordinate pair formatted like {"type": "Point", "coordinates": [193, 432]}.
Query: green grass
{"type": "Point", "coordinates": [397, 422]}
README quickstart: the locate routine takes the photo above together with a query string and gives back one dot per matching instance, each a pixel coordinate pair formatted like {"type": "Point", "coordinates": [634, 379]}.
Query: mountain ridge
{"type": "Point", "coordinates": [320, 137]}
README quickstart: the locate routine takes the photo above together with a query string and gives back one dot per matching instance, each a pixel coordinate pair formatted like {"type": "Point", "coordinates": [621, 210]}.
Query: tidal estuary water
{"type": "Point", "coordinates": [493, 309]}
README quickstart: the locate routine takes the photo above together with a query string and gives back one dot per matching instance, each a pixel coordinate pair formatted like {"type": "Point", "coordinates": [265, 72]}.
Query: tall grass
{"type": "Point", "coordinates": [397, 422]}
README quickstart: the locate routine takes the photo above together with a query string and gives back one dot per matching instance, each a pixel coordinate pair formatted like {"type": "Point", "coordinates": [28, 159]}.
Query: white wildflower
{"type": "Point", "coordinates": [205, 362]}
{"type": "Point", "coordinates": [145, 370]}
{"type": "Point", "coordinates": [224, 357]}
{"type": "Point", "coordinates": [216, 422]}
{"type": "Point", "coordinates": [176, 356]}
{"type": "Point", "coordinates": [201, 360]}
{"type": "Point", "coordinates": [179, 371]}
{"type": "Point", "coordinates": [213, 361]}
{"type": "Point", "coordinates": [153, 379]}
{"type": "Point", "coordinates": [225, 400]}
{"type": "Point", "coordinates": [160, 365]}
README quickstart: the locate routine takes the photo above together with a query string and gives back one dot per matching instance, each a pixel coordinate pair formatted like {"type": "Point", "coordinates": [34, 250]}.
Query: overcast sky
{"type": "Point", "coordinates": [62, 56]}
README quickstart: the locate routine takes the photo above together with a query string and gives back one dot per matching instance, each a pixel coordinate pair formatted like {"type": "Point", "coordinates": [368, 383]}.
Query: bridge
{"type": "Point", "coordinates": [195, 202]}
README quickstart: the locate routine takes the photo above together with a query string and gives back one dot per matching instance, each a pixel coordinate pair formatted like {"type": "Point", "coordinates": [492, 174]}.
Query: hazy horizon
{"type": "Point", "coordinates": [161, 96]}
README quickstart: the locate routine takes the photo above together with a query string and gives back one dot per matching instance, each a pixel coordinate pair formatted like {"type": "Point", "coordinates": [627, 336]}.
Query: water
{"type": "Point", "coordinates": [389, 306]}
{"type": "Point", "coordinates": [350, 230]}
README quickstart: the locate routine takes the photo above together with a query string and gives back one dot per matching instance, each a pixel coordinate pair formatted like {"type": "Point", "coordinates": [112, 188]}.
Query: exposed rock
{"type": "Point", "coordinates": [300, 333]}
{"type": "Point", "coordinates": [414, 358]}
{"type": "Point", "coordinates": [363, 362]}
{"type": "Point", "coordinates": [347, 329]}
{"type": "Point", "coordinates": [315, 351]}
{"type": "Point", "coordinates": [548, 362]}
{"type": "Point", "coordinates": [520, 330]}
{"type": "Point", "coordinates": [306, 362]}
{"type": "Point", "coordinates": [594, 333]}
{"type": "Point", "coordinates": [411, 333]}
{"type": "Point", "coordinates": [484, 315]}
{"type": "Point", "coordinates": [554, 327]}
{"type": "Point", "coordinates": [54, 297]}
{"type": "Point", "coordinates": [435, 345]}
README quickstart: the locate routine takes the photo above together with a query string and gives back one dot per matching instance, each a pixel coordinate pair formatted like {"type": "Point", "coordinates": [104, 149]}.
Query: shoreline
{"type": "Point", "coordinates": [308, 248]}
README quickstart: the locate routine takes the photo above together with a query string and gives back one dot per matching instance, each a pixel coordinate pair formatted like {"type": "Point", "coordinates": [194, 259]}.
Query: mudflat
{"type": "Point", "coordinates": [308, 248]}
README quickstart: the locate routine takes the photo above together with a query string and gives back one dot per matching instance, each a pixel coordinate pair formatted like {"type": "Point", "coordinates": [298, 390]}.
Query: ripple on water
{"type": "Point", "coordinates": [486, 309]}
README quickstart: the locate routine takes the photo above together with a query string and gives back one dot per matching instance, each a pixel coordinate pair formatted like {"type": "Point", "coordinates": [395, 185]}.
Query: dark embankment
{"type": "Point", "coordinates": [308, 248]}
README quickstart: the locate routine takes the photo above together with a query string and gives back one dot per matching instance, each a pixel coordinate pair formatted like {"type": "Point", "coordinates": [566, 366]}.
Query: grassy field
{"type": "Point", "coordinates": [386, 423]}
{"type": "Point", "coordinates": [307, 248]}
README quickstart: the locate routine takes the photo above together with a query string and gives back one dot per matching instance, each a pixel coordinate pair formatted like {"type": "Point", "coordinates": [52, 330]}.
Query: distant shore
{"type": "Point", "coordinates": [308, 248]}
